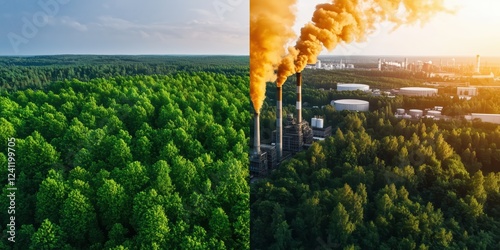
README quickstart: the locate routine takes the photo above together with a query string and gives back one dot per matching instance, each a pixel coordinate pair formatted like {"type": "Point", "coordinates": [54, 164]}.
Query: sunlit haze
{"type": "Point", "coordinates": [470, 31]}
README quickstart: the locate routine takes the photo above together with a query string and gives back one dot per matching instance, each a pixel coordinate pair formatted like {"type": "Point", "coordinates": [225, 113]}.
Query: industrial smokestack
{"type": "Point", "coordinates": [279, 122]}
{"type": "Point", "coordinates": [299, 97]}
{"type": "Point", "coordinates": [379, 64]}
{"type": "Point", "coordinates": [478, 63]}
{"type": "Point", "coordinates": [406, 63]}
{"type": "Point", "coordinates": [256, 139]}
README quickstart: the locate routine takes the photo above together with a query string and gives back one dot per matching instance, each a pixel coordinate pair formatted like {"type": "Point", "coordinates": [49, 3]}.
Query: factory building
{"type": "Point", "coordinates": [491, 118]}
{"type": "Point", "coordinates": [296, 136]}
{"type": "Point", "coordinates": [259, 164]}
{"type": "Point", "coordinates": [352, 87]}
{"type": "Point", "coordinates": [270, 151]}
{"type": "Point", "coordinates": [418, 91]}
{"type": "Point", "coordinates": [351, 104]}
{"type": "Point", "coordinates": [480, 76]}
{"type": "Point", "coordinates": [318, 130]}
{"type": "Point", "coordinates": [466, 92]}
{"type": "Point", "coordinates": [316, 65]}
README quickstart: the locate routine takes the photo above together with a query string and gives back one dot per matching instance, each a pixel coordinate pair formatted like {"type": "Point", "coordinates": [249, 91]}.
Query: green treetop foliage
{"type": "Point", "coordinates": [383, 183]}
{"type": "Point", "coordinates": [149, 156]}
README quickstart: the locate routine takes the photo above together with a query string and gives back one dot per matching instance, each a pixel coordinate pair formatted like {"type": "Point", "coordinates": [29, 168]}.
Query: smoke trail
{"type": "Point", "coordinates": [270, 30]}
{"type": "Point", "coordinates": [346, 21]}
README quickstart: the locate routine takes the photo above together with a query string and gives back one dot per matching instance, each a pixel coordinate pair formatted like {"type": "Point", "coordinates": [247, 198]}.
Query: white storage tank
{"type": "Point", "coordinates": [352, 87]}
{"type": "Point", "coordinates": [319, 123]}
{"type": "Point", "coordinates": [434, 113]}
{"type": "Point", "coordinates": [418, 91]}
{"type": "Point", "coordinates": [400, 111]}
{"type": "Point", "coordinates": [314, 122]}
{"type": "Point", "coordinates": [416, 113]}
{"type": "Point", "coordinates": [351, 104]}
{"type": "Point", "coordinates": [406, 116]}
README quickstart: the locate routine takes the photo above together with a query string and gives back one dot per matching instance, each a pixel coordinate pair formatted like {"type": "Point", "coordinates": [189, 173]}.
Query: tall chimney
{"type": "Point", "coordinates": [256, 139]}
{"type": "Point", "coordinates": [406, 63]}
{"type": "Point", "coordinates": [299, 98]}
{"type": "Point", "coordinates": [478, 63]}
{"type": "Point", "coordinates": [379, 64]}
{"type": "Point", "coordinates": [279, 122]}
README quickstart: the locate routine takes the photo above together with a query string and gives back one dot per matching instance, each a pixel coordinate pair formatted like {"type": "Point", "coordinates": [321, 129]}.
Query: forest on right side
{"type": "Point", "coordinates": [385, 183]}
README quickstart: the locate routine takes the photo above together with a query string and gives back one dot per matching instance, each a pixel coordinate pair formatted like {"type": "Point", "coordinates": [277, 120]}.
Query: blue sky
{"type": "Point", "coordinates": [124, 27]}
{"type": "Point", "coordinates": [221, 27]}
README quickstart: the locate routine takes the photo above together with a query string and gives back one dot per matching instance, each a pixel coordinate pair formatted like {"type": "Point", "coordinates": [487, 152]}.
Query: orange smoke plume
{"type": "Point", "coordinates": [346, 21]}
{"type": "Point", "coordinates": [270, 30]}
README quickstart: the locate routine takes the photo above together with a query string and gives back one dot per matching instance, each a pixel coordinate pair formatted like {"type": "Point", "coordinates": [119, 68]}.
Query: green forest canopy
{"type": "Point", "coordinates": [384, 183]}
{"type": "Point", "coordinates": [129, 162]}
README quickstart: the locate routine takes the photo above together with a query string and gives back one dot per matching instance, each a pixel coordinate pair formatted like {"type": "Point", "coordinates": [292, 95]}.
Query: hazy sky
{"type": "Point", "coordinates": [218, 27]}
{"type": "Point", "coordinates": [472, 30]}
{"type": "Point", "coordinates": [124, 27]}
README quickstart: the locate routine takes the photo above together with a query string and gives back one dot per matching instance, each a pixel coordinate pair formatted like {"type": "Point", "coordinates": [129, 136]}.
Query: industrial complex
{"type": "Point", "coordinates": [291, 135]}
{"type": "Point", "coordinates": [294, 134]}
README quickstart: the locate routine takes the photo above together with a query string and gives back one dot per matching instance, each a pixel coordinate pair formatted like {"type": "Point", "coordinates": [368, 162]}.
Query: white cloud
{"type": "Point", "coordinates": [195, 29]}
{"type": "Point", "coordinates": [204, 13]}
{"type": "Point", "coordinates": [67, 21]}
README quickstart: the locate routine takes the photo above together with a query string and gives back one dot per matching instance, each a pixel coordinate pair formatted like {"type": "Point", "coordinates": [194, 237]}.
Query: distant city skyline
{"type": "Point", "coordinates": [220, 27]}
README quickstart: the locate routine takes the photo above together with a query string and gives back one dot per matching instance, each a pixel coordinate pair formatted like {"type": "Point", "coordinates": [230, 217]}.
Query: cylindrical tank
{"type": "Point", "coordinates": [351, 104]}
{"type": "Point", "coordinates": [314, 122]}
{"type": "Point", "coordinates": [319, 123]}
{"type": "Point", "coordinates": [352, 87]}
{"type": "Point", "coordinates": [418, 91]}
{"type": "Point", "coordinates": [400, 111]}
{"type": "Point", "coordinates": [406, 116]}
{"type": "Point", "coordinates": [434, 113]}
{"type": "Point", "coordinates": [416, 112]}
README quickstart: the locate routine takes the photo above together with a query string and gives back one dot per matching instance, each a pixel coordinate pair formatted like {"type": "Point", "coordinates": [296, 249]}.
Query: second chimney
{"type": "Point", "coordinates": [279, 122]}
{"type": "Point", "coordinates": [256, 142]}
{"type": "Point", "coordinates": [299, 98]}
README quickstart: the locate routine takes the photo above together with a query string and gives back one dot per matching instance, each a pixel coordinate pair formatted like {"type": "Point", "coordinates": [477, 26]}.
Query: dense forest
{"type": "Point", "coordinates": [17, 73]}
{"type": "Point", "coordinates": [384, 183]}
{"type": "Point", "coordinates": [128, 162]}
